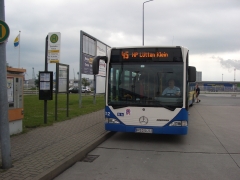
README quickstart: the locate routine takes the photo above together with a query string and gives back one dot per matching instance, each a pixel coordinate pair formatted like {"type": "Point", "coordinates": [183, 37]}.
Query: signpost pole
{"type": "Point", "coordinates": [80, 70]}
{"type": "Point", "coordinates": [4, 124]}
{"type": "Point", "coordinates": [67, 90]}
{"type": "Point", "coordinates": [95, 87]}
{"type": "Point", "coordinates": [46, 69]}
{"type": "Point", "coordinates": [56, 91]}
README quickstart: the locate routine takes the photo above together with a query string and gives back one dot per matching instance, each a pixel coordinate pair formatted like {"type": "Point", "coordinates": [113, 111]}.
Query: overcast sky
{"type": "Point", "coordinates": [210, 29]}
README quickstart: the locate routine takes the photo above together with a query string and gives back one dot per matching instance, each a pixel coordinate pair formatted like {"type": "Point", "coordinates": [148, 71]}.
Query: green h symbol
{"type": "Point", "coordinates": [54, 38]}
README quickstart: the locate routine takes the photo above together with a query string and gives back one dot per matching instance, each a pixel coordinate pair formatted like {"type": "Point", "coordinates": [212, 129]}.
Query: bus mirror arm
{"type": "Point", "coordinates": [95, 64]}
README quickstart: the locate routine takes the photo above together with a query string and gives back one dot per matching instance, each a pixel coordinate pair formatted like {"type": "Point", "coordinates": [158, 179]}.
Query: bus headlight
{"type": "Point", "coordinates": [178, 123]}
{"type": "Point", "coordinates": [184, 123]}
{"type": "Point", "coordinates": [112, 120]}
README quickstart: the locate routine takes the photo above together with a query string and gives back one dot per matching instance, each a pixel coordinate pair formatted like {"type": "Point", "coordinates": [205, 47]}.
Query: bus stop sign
{"type": "Point", "coordinates": [4, 31]}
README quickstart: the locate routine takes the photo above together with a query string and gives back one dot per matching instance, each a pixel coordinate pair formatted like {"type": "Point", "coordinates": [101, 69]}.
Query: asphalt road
{"type": "Point", "coordinates": [210, 151]}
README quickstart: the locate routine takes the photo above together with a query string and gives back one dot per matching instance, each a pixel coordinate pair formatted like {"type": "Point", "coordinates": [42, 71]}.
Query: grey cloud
{"type": "Point", "coordinates": [229, 63]}
{"type": "Point", "coordinates": [202, 26]}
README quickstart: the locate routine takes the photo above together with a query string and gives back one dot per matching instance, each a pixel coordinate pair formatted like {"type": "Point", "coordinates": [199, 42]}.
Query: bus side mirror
{"type": "Point", "coordinates": [191, 74]}
{"type": "Point", "coordinates": [95, 64]}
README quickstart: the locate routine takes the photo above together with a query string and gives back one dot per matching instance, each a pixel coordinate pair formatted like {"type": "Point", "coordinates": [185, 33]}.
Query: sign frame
{"type": "Point", "coordinates": [54, 47]}
{"type": "Point", "coordinates": [45, 85]}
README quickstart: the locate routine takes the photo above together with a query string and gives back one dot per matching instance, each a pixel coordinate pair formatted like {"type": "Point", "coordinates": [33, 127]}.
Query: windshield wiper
{"type": "Point", "coordinates": [128, 105]}
{"type": "Point", "coordinates": [118, 106]}
{"type": "Point", "coordinates": [171, 108]}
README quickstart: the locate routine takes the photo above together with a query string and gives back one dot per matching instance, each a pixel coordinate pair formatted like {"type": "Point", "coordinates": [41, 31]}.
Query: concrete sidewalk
{"type": "Point", "coordinates": [45, 152]}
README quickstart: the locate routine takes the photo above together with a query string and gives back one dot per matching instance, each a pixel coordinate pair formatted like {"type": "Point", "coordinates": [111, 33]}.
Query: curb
{"type": "Point", "coordinates": [61, 166]}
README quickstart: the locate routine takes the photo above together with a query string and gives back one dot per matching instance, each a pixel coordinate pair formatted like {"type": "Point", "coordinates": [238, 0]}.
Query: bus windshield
{"type": "Point", "coordinates": [154, 84]}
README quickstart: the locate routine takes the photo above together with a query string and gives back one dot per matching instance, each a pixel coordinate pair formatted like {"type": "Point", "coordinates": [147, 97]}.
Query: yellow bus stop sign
{"type": "Point", "coordinates": [4, 31]}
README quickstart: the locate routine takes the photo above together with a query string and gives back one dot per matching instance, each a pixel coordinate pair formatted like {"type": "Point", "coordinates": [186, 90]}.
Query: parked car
{"type": "Point", "coordinates": [85, 89]}
{"type": "Point", "coordinates": [73, 90]}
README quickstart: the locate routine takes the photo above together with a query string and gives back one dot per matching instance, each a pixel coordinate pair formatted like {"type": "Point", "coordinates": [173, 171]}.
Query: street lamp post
{"type": "Point", "coordinates": [143, 19]}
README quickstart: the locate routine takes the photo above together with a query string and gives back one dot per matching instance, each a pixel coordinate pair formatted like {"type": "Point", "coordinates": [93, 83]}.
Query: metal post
{"type": "Point", "coordinates": [143, 19]}
{"type": "Point", "coordinates": [67, 90]}
{"type": "Point", "coordinates": [56, 90]}
{"type": "Point", "coordinates": [143, 24]}
{"type": "Point", "coordinates": [46, 69]}
{"type": "Point", "coordinates": [19, 49]}
{"type": "Point", "coordinates": [234, 74]}
{"type": "Point", "coordinates": [4, 124]}
{"type": "Point", "coordinates": [94, 94]}
{"type": "Point", "coordinates": [80, 71]}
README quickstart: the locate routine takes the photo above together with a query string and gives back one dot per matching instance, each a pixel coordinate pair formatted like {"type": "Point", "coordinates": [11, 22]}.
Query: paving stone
{"type": "Point", "coordinates": [37, 151]}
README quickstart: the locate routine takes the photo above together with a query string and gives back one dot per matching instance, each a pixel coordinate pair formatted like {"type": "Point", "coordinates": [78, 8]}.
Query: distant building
{"type": "Point", "coordinates": [218, 86]}
{"type": "Point", "coordinates": [198, 76]}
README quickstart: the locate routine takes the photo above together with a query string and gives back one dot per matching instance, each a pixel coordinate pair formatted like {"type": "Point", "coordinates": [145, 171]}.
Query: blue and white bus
{"type": "Point", "coordinates": [135, 80]}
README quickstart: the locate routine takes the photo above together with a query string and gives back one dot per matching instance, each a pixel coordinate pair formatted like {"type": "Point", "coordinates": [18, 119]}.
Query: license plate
{"type": "Point", "coordinates": [142, 130]}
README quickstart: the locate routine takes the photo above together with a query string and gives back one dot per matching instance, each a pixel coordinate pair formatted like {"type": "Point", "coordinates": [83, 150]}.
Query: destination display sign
{"type": "Point", "coordinates": [135, 54]}
{"type": "Point", "coordinates": [146, 54]}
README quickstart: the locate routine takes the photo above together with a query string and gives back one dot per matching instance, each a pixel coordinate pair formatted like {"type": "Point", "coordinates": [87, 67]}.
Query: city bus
{"type": "Point", "coordinates": [136, 78]}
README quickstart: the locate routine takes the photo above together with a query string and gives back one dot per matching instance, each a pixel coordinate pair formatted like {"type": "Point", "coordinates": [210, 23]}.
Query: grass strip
{"type": "Point", "coordinates": [34, 108]}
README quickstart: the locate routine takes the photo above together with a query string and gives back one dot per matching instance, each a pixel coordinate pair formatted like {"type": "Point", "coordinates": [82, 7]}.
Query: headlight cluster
{"type": "Point", "coordinates": [112, 120]}
{"type": "Point", "coordinates": [178, 123]}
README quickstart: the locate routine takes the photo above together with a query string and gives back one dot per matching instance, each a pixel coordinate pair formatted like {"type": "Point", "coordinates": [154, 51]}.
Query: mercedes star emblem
{"type": "Point", "coordinates": [143, 120]}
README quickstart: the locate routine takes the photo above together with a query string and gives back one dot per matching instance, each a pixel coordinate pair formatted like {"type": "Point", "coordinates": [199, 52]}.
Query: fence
{"type": "Point", "coordinates": [30, 91]}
